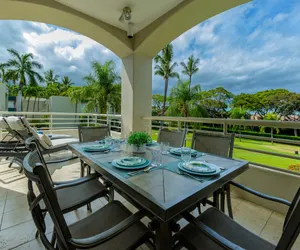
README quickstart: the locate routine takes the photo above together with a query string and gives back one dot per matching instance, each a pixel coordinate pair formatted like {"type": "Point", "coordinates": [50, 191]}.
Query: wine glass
{"type": "Point", "coordinates": [185, 155]}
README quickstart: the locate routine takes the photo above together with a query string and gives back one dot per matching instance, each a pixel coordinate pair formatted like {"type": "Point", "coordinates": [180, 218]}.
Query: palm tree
{"type": "Point", "coordinates": [50, 77]}
{"type": "Point", "coordinates": [66, 83]}
{"type": "Point", "coordinates": [101, 89]}
{"type": "Point", "coordinates": [29, 91]}
{"type": "Point", "coordinates": [186, 101]}
{"type": "Point", "coordinates": [22, 67]}
{"type": "Point", "coordinates": [165, 68]}
{"type": "Point", "coordinates": [190, 68]}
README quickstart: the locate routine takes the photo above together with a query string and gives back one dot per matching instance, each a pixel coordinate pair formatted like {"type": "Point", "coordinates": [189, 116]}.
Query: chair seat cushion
{"type": "Point", "coordinates": [104, 219]}
{"type": "Point", "coordinates": [74, 197]}
{"type": "Point", "coordinates": [192, 237]}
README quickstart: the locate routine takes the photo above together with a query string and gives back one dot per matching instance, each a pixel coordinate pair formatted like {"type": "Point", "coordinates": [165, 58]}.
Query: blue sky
{"type": "Point", "coordinates": [250, 48]}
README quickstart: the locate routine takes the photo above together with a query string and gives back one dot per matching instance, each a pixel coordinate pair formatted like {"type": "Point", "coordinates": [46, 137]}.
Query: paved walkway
{"type": "Point", "coordinates": [17, 229]}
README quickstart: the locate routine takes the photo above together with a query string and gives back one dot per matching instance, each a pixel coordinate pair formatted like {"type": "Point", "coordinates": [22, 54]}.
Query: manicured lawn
{"type": "Point", "coordinates": [270, 160]}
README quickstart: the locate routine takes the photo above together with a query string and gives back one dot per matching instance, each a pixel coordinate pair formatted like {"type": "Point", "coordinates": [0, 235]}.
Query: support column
{"type": "Point", "coordinates": [136, 93]}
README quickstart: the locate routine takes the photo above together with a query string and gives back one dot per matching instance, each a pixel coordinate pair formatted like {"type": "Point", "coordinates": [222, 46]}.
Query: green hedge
{"type": "Point", "coordinates": [289, 137]}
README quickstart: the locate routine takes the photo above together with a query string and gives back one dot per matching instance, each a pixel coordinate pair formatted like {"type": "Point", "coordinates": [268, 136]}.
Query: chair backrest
{"type": "Point", "coordinates": [23, 128]}
{"type": "Point", "coordinates": [36, 172]}
{"type": "Point", "coordinates": [291, 228]}
{"type": "Point", "coordinates": [221, 145]}
{"type": "Point", "coordinates": [90, 134]}
{"type": "Point", "coordinates": [174, 137]}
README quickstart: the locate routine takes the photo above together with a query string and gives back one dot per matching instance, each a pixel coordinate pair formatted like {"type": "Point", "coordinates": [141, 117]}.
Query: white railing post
{"type": "Point", "coordinates": [272, 130]}
{"type": "Point", "coordinates": [179, 125]}
{"type": "Point", "coordinates": [95, 120]}
{"type": "Point", "coordinates": [108, 122]}
{"type": "Point", "coordinates": [51, 123]}
{"type": "Point", "coordinates": [88, 120]}
{"type": "Point", "coordinates": [225, 128]}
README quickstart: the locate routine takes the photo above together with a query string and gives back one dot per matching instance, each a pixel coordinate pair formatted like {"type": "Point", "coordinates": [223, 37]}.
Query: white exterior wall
{"type": "Point", "coordinates": [3, 97]}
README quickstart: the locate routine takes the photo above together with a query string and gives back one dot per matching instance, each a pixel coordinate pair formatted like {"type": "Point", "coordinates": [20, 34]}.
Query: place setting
{"type": "Point", "coordinates": [104, 146]}
{"type": "Point", "coordinates": [199, 170]}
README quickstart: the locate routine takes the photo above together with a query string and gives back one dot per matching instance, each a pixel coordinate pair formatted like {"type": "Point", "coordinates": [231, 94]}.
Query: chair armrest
{"type": "Point", "coordinates": [98, 239]}
{"type": "Point", "coordinates": [261, 195]}
{"type": "Point", "coordinates": [66, 184]}
{"type": "Point", "coordinates": [210, 233]}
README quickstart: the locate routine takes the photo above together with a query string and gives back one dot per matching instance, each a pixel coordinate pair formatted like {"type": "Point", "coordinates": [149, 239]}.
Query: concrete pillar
{"type": "Point", "coordinates": [136, 93]}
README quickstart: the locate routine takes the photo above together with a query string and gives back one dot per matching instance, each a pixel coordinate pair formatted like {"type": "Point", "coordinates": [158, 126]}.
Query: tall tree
{"type": "Point", "coordinates": [157, 104]}
{"type": "Point", "coordinates": [23, 68]}
{"type": "Point", "coordinates": [100, 89]}
{"type": "Point", "coordinates": [190, 68]}
{"type": "Point", "coordinates": [50, 77]}
{"type": "Point", "coordinates": [66, 83]}
{"type": "Point", "coordinates": [165, 68]}
{"type": "Point", "coordinates": [217, 101]}
{"type": "Point", "coordinates": [186, 101]}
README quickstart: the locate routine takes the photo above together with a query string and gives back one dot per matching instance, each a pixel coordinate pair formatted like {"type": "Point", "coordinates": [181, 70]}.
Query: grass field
{"type": "Point", "coordinates": [270, 160]}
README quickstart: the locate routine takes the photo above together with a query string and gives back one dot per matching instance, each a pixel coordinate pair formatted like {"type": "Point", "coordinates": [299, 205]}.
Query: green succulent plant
{"type": "Point", "coordinates": [138, 138]}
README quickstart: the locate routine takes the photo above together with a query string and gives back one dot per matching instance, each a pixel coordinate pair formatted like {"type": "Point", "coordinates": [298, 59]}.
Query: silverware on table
{"type": "Point", "coordinates": [189, 175]}
{"type": "Point", "coordinates": [101, 152]}
{"type": "Point", "coordinates": [146, 170]}
{"type": "Point", "coordinates": [218, 166]}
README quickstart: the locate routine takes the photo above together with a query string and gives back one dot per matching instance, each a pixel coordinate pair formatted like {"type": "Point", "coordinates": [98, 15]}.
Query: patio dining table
{"type": "Point", "coordinates": [163, 191]}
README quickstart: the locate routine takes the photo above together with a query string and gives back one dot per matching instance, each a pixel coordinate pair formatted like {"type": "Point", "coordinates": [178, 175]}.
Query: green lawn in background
{"type": "Point", "coordinates": [270, 160]}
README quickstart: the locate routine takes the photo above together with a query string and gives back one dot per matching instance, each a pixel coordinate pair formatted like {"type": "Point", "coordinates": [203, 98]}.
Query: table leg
{"type": "Point", "coordinates": [163, 240]}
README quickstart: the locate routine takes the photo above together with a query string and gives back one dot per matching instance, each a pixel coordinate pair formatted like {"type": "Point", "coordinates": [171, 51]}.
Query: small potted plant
{"type": "Point", "coordinates": [138, 140]}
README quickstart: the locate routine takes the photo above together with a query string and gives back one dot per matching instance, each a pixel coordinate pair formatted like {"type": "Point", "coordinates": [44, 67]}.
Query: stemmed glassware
{"type": "Point", "coordinates": [186, 155]}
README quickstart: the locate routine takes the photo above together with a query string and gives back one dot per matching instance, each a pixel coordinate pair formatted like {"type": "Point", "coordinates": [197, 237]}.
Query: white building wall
{"type": "Point", "coordinates": [3, 97]}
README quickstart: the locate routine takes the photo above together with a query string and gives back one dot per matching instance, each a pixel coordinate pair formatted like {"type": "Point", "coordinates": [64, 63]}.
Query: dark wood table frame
{"type": "Point", "coordinates": [162, 193]}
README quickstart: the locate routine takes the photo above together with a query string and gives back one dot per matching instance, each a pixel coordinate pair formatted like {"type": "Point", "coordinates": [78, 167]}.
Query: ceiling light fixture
{"type": "Point", "coordinates": [126, 15]}
{"type": "Point", "coordinates": [125, 18]}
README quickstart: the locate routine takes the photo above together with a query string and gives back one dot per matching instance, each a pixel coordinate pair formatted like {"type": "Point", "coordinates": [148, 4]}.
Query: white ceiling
{"type": "Point", "coordinates": [144, 12]}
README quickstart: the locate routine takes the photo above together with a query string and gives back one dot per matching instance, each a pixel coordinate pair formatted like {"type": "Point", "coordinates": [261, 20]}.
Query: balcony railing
{"type": "Point", "coordinates": [177, 123]}
{"type": "Point", "coordinates": [50, 121]}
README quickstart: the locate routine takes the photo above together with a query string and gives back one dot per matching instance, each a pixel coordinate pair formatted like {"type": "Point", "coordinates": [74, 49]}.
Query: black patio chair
{"type": "Point", "coordinates": [215, 230]}
{"type": "Point", "coordinates": [91, 134]}
{"type": "Point", "coordinates": [216, 144]}
{"type": "Point", "coordinates": [71, 194]}
{"type": "Point", "coordinates": [220, 145]}
{"type": "Point", "coordinates": [111, 227]}
{"type": "Point", "coordinates": [174, 137]}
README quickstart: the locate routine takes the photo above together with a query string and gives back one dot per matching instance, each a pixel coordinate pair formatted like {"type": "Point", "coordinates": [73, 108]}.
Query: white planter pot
{"type": "Point", "coordinates": [139, 150]}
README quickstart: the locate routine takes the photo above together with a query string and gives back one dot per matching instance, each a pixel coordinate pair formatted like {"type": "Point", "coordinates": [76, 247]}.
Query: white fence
{"type": "Point", "coordinates": [168, 122]}
{"type": "Point", "coordinates": [65, 121]}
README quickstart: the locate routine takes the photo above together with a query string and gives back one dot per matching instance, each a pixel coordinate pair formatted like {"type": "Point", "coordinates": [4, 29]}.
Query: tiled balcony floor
{"type": "Point", "coordinates": [17, 229]}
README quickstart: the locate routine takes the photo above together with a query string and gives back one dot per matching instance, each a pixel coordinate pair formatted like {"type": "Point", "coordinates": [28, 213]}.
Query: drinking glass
{"type": "Point", "coordinates": [156, 158]}
{"type": "Point", "coordinates": [164, 147]}
{"type": "Point", "coordinates": [117, 145]}
{"type": "Point", "coordinates": [108, 140]}
{"type": "Point", "coordinates": [186, 155]}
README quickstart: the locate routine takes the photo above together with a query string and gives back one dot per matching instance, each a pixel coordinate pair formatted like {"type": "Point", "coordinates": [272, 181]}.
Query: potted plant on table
{"type": "Point", "coordinates": [138, 140]}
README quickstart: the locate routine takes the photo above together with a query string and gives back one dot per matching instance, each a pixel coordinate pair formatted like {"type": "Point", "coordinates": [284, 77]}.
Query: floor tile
{"type": "Point", "coordinates": [17, 235]}
{"type": "Point", "coordinates": [32, 245]}
{"type": "Point", "coordinates": [15, 217]}
{"type": "Point", "coordinates": [15, 203]}
{"type": "Point", "coordinates": [250, 208]}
